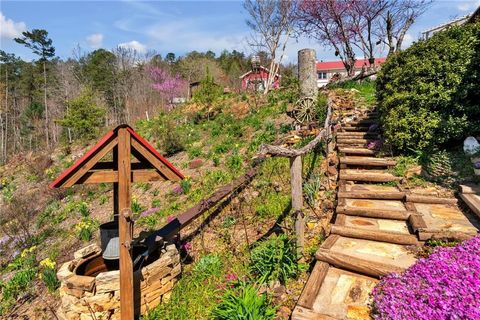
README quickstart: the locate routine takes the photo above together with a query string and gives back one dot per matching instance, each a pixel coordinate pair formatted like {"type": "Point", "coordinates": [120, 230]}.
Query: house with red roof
{"type": "Point", "coordinates": [256, 79]}
{"type": "Point", "coordinates": [328, 69]}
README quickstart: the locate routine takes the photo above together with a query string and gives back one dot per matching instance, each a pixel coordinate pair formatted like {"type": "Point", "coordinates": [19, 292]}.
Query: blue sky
{"type": "Point", "coordinates": [164, 26]}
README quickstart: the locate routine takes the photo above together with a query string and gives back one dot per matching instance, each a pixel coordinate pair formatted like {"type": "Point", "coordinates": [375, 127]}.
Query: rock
{"type": "Point", "coordinates": [327, 205]}
{"type": "Point", "coordinates": [80, 282]}
{"type": "Point", "coordinates": [87, 251]}
{"type": "Point", "coordinates": [108, 281]}
{"type": "Point", "coordinates": [471, 145]}
{"type": "Point", "coordinates": [65, 271]}
{"type": "Point", "coordinates": [332, 171]}
{"type": "Point", "coordinates": [195, 163]}
{"type": "Point", "coordinates": [283, 313]}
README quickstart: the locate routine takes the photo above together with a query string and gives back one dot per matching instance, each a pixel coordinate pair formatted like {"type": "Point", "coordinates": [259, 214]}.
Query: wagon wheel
{"type": "Point", "coordinates": [304, 110]}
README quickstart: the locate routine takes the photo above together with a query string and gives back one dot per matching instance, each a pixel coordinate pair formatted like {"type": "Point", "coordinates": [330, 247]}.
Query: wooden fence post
{"type": "Point", "coordinates": [125, 225]}
{"type": "Point", "coordinates": [297, 201]}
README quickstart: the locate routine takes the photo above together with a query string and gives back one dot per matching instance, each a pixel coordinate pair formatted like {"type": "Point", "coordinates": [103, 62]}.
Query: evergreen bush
{"type": "Point", "coordinates": [428, 94]}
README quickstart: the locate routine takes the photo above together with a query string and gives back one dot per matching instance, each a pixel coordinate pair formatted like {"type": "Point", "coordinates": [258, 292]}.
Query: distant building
{"type": "Point", "coordinates": [456, 22]}
{"type": "Point", "coordinates": [326, 70]}
{"type": "Point", "coordinates": [256, 79]}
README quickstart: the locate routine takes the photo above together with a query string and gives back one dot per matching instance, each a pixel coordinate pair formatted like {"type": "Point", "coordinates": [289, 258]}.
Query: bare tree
{"type": "Point", "coordinates": [271, 22]}
{"type": "Point", "coordinates": [396, 19]}
{"type": "Point", "coordinates": [330, 22]}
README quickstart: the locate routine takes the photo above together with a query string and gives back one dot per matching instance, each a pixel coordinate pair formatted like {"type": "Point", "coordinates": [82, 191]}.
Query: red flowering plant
{"type": "Point", "coordinates": [446, 285]}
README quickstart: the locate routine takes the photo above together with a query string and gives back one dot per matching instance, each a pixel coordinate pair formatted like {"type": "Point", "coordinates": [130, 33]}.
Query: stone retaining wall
{"type": "Point", "coordinates": [89, 298]}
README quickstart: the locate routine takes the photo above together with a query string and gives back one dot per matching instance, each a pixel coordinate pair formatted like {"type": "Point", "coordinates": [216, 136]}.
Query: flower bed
{"type": "Point", "coordinates": [446, 285]}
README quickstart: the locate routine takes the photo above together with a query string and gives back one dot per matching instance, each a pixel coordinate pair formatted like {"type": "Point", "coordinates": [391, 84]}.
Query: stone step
{"type": "Point", "coordinates": [367, 175]}
{"type": "Point", "coordinates": [367, 161]}
{"type": "Point", "coordinates": [370, 191]}
{"type": "Point", "coordinates": [362, 122]}
{"type": "Point", "coordinates": [354, 141]}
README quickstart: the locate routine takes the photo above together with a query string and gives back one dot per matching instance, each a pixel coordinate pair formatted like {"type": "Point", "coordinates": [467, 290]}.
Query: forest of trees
{"type": "Point", "coordinates": [50, 100]}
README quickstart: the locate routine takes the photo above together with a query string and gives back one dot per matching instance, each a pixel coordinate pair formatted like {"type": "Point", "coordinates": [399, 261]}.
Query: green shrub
{"type": "Point", "coordinates": [311, 187]}
{"type": "Point", "coordinates": [234, 162]}
{"type": "Point", "coordinates": [275, 259]}
{"type": "Point", "coordinates": [83, 116]}
{"type": "Point", "coordinates": [208, 265]}
{"type": "Point", "coordinates": [243, 302]}
{"type": "Point", "coordinates": [272, 204]}
{"type": "Point", "coordinates": [428, 94]}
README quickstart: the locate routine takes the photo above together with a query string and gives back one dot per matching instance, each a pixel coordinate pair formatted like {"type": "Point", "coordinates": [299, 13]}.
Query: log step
{"type": "Point", "coordinates": [362, 122]}
{"type": "Point", "coordinates": [427, 199]}
{"type": "Point", "coordinates": [341, 140]}
{"type": "Point", "coordinates": [373, 258]}
{"type": "Point", "coordinates": [367, 175]}
{"type": "Point", "coordinates": [367, 161]}
{"type": "Point", "coordinates": [357, 135]}
{"type": "Point", "coordinates": [356, 151]}
{"type": "Point", "coordinates": [358, 128]}
{"type": "Point", "coordinates": [376, 213]}
{"type": "Point", "coordinates": [376, 235]}
{"type": "Point", "coordinates": [371, 195]}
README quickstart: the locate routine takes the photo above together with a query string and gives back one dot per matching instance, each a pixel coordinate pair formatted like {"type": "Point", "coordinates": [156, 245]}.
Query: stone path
{"type": "Point", "coordinates": [377, 225]}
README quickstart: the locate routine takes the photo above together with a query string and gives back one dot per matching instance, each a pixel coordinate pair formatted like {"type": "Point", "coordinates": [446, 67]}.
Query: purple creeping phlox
{"type": "Point", "coordinates": [477, 165]}
{"type": "Point", "coordinates": [149, 212]}
{"type": "Point", "coordinates": [187, 246]}
{"type": "Point", "coordinates": [446, 285]}
{"type": "Point", "coordinates": [375, 144]}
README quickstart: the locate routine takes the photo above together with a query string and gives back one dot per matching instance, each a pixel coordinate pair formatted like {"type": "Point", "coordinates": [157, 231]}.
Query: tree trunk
{"type": "Point", "coordinates": [45, 102]}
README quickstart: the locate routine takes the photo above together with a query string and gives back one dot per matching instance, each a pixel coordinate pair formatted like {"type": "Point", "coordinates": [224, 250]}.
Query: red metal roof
{"type": "Point", "coordinates": [338, 65]}
{"type": "Point", "coordinates": [100, 144]}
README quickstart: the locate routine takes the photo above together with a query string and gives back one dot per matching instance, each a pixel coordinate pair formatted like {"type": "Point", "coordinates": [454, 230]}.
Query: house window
{"type": "Point", "coordinates": [322, 75]}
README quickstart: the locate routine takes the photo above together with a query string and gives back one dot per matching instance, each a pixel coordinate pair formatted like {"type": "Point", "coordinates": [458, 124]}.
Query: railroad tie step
{"type": "Point", "coordinates": [376, 235]}
{"type": "Point", "coordinates": [367, 175]}
{"type": "Point", "coordinates": [356, 151]}
{"type": "Point", "coordinates": [375, 213]}
{"type": "Point", "coordinates": [393, 195]}
{"type": "Point", "coordinates": [367, 161]}
{"type": "Point", "coordinates": [350, 254]}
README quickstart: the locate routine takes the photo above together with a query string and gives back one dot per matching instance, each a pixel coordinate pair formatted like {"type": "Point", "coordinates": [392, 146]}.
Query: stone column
{"type": "Point", "coordinates": [307, 73]}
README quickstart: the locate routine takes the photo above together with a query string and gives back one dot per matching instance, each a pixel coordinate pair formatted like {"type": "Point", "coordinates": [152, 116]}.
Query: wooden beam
{"type": "Point", "coordinates": [125, 225]}
{"type": "Point", "coordinates": [472, 202]}
{"type": "Point", "coordinates": [142, 153]}
{"type": "Point", "coordinates": [348, 262]}
{"type": "Point", "coordinates": [92, 177]}
{"type": "Point", "coordinates": [110, 165]}
{"type": "Point", "coordinates": [470, 188]}
{"type": "Point", "coordinates": [312, 287]}
{"type": "Point", "coordinates": [90, 163]}
{"type": "Point", "coordinates": [375, 235]}
{"type": "Point", "coordinates": [375, 213]}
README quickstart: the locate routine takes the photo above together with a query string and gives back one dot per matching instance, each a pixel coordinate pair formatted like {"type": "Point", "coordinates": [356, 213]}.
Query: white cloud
{"type": "Point", "coordinates": [135, 45]}
{"type": "Point", "coordinates": [10, 29]}
{"type": "Point", "coordinates": [95, 40]}
{"type": "Point", "coordinates": [468, 5]}
{"type": "Point", "coordinates": [407, 40]}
